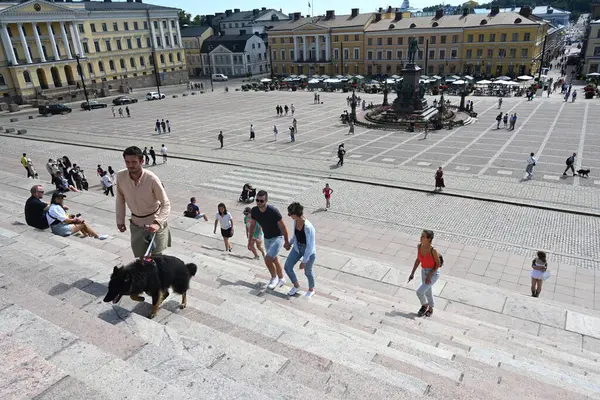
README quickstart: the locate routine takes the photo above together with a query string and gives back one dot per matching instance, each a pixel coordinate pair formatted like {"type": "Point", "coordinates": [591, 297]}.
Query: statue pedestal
{"type": "Point", "coordinates": [410, 98]}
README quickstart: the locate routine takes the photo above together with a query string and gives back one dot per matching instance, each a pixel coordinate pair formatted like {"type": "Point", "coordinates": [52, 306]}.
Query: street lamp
{"type": "Point", "coordinates": [85, 93]}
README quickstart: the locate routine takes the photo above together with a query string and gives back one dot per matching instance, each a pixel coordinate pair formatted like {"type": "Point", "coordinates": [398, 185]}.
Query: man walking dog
{"type": "Point", "coordinates": [145, 196]}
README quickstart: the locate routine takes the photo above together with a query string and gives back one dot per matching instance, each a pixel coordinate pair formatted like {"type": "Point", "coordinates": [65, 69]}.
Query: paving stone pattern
{"type": "Point", "coordinates": [479, 159]}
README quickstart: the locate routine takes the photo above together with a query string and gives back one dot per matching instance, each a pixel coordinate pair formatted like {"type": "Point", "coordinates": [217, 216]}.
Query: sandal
{"type": "Point", "coordinates": [421, 311]}
{"type": "Point", "coordinates": [429, 312]}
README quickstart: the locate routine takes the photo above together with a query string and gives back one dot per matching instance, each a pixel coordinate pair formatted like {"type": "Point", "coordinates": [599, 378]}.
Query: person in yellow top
{"type": "Point", "coordinates": [24, 164]}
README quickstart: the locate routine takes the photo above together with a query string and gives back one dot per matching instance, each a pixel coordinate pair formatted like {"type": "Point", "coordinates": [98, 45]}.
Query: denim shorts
{"type": "Point", "coordinates": [273, 246]}
{"type": "Point", "coordinates": [62, 229]}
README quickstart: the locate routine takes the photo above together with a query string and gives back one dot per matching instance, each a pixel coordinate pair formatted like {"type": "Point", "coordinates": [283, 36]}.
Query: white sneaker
{"type": "Point", "coordinates": [272, 283]}
{"type": "Point", "coordinates": [102, 237]}
{"type": "Point", "coordinates": [281, 282]}
{"type": "Point", "coordinates": [309, 293]}
{"type": "Point", "coordinates": [293, 291]}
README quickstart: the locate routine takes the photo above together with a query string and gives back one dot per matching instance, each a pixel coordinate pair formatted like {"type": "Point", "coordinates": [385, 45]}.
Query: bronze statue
{"type": "Point", "coordinates": [413, 48]}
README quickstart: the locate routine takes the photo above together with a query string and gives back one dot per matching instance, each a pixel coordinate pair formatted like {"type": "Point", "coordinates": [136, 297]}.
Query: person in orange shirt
{"type": "Point", "coordinates": [430, 262]}
{"type": "Point", "coordinates": [327, 192]}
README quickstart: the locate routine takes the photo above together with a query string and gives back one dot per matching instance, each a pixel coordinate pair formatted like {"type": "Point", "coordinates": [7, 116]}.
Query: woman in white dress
{"type": "Point", "coordinates": [539, 266]}
{"type": "Point", "coordinates": [224, 218]}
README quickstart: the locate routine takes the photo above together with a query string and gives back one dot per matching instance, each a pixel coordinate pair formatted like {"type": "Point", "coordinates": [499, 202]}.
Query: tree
{"type": "Point", "coordinates": [199, 20]}
{"type": "Point", "coordinates": [184, 18]}
{"type": "Point", "coordinates": [433, 8]}
{"type": "Point", "coordinates": [470, 4]}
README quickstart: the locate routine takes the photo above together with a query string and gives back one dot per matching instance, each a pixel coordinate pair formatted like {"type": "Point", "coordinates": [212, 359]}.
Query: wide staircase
{"type": "Point", "coordinates": [355, 339]}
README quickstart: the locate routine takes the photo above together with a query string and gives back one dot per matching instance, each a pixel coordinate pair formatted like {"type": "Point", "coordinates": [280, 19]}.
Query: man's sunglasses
{"type": "Point", "coordinates": [260, 201]}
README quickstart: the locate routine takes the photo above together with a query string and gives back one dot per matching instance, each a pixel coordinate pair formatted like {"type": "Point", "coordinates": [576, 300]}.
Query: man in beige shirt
{"type": "Point", "coordinates": [147, 200]}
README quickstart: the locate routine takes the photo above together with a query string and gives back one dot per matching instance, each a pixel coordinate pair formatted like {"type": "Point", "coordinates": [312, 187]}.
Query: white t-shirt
{"type": "Point", "coordinates": [163, 150]}
{"type": "Point", "coordinates": [56, 212]}
{"type": "Point", "coordinates": [531, 160]}
{"type": "Point", "coordinates": [106, 181]}
{"type": "Point", "coordinates": [224, 220]}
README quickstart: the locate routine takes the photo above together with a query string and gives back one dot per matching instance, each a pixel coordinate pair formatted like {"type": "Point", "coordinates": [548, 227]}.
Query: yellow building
{"type": "Point", "coordinates": [193, 37]}
{"type": "Point", "coordinates": [329, 45]}
{"type": "Point", "coordinates": [503, 43]}
{"type": "Point", "coordinates": [117, 44]}
{"type": "Point", "coordinates": [440, 41]}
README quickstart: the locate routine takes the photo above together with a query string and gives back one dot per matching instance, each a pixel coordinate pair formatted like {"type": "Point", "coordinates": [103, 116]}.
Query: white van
{"type": "Point", "coordinates": [219, 77]}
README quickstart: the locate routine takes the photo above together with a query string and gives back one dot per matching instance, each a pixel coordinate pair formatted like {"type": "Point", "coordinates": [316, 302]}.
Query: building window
{"type": "Point", "coordinates": [501, 53]}
{"type": "Point", "coordinates": [479, 53]}
{"type": "Point", "coordinates": [116, 26]}
{"type": "Point", "coordinates": [158, 41]}
{"type": "Point", "coordinates": [171, 58]}
{"type": "Point", "coordinates": [398, 54]}
{"type": "Point", "coordinates": [469, 53]}
{"type": "Point", "coordinates": [90, 68]}
{"type": "Point", "coordinates": [335, 38]}
{"type": "Point", "coordinates": [274, 55]}
{"type": "Point", "coordinates": [432, 39]}
{"type": "Point", "coordinates": [515, 37]}
{"type": "Point", "coordinates": [389, 55]}
{"type": "Point", "coordinates": [253, 46]}
{"type": "Point", "coordinates": [86, 48]}
{"type": "Point", "coordinates": [453, 53]}
{"type": "Point", "coordinates": [132, 62]}
{"type": "Point", "coordinates": [142, 62]}
{"type": "Point", "coordinates": [108, 47]}
{"type": "Point", "coordinates": [26, 76]}
{"type": "Point", "coordinates": [400, 40]}
{"type": "Point", "coordinates": [526, 37]}
{"type": "Point", "coordinates": [129, 45]}
{"type": "Point", "coordinates": [470, 38]}
{"type": "Point", "coordinates": [421, 40]}
{"type": "Point", "coordinates": [345, 38]}
{"type": "Point", "coordinates": [100, 66]}
{"type": "Point", "coordinates": [492, 37]}
{"type": "Point", "coordinates": [380, 55]}
{"type": "Point", "coordinates": [292, 54]}
{"type": "Point", "coordinates": [93, 27]}
{"type": "Point", "coordinates": [503, 37]}
{"type": "Point", "coordinates": [97, 46]}
{"type": "Point", "coordinates": [104, 27]}
{"type": "Point", "coordinates": [442, 54]}
{"type": "Point", "coordinates": [162, 59]}
{"type": "Point", "coordinates": [389, 41]}
{"type": "Point", "coordinates": [356, 38]}
{"type": "Point", "coordinates": [336, 54]}
{"type": "Point", "coordinates": [524, 53]}
{"type": "Point", "coordinates": [119, 47]}
{"type": "Point", "coordinates": [155, 23]}
{"type": "Point", "coordinates": [379, 41]}
{"type": "Point", "coordinates": [164, 23]}
{"type": "Point", "coordinates": [179, 56]}
{"type": "Point", "coordinates": [146, 25]}
{"type": "Point", "coordinates": [346, 54]}
{"type": "Point", "coordinates": [431, 54]}
{"type": "Point", "coordinates": [282, 54]}
{"type": "Point", "coordinates": [126, 26]}
{"type": "Point", "coordinates": [490, 53]}
{"type": "Point", "coordinates": [151, 60]}
{"type": "Point", "coordinates": [148, 42]}
{"type": "Point", "coordinates": [356, 54]}
{"type": "Point", "coordinates": [513, 53]}
{"type": "Point", "coordinates": [281, 40]}
{"type": "Point", "coordinates": [443, 39]}
{"type": "Point", "coordinates": [258, 45]}
{"type": "Point", "coordinates": [139, 42]}
{"type": "Point", "coordinates": [481, 37]}
{"type": "Point", "coordinates": [369, 55]}
{"type": "Point", "coordinates": [79, 26]}
{"type": "Point", "coordinates": [136, 26]}
{"type": "Point", "coordinates": [454, 38]}
{"type": "Point", "coordinates": [111, 65]}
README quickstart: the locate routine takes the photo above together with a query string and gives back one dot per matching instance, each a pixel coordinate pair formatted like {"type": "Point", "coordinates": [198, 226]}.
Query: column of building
{"type": "Point", "coordinates": [296, 55]}
{"type": "Point", "coordinates": [304, 56]}
{"type": "Point", "coordinates": [317, 48]}
{"type": "Point", "coordinates": [8, 48]}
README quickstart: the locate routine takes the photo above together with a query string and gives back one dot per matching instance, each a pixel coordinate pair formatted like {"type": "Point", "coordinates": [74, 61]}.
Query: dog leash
{"type": "Point", "coordinates": [147, 254]}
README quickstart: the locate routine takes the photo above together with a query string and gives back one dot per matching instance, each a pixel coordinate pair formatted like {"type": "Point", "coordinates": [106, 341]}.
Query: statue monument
{"type": "Point", "coordinates": [410, 91]}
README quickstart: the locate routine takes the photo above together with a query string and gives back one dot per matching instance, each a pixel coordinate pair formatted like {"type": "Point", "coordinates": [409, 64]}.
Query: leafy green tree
{"type": "Point", "coordinates": [184, 18]}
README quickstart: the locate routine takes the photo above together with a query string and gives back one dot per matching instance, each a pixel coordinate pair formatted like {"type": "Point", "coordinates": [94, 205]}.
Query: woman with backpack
{"type": "Point", "coordinates": [430, 261]}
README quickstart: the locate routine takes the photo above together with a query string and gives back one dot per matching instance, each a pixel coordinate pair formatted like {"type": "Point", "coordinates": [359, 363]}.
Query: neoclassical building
{"type": "Point", "coordinates": [118, 44]}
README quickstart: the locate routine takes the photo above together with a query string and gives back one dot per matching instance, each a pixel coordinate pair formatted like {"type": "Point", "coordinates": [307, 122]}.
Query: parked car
{"type": "Point", "coordinates": [93, 104]}
{"type": "Point", "coordinates": [54, 109]}
{"type": "Point", "coordinates": [154, 96]}
{"type": "Point", "coordinates": [219, 77]}
{"type": "Point", "coordinates": [121, 100]}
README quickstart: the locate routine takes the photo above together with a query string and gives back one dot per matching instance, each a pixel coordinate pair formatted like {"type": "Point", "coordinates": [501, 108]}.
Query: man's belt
{"type": "Point", "coordinates": [145, 216]}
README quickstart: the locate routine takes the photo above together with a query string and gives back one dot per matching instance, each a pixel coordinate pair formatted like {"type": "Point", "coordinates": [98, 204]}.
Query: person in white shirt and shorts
{"type": "Point", "coordinates": [224, 218]}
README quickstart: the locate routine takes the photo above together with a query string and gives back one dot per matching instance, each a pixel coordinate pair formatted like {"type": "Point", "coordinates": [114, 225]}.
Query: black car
{"type": "Point", "coordinates": [54, 109]}
{"type": "Point", "coordinates": [93, 104]}
{"type": "Point", "coordinates": [119, 101]}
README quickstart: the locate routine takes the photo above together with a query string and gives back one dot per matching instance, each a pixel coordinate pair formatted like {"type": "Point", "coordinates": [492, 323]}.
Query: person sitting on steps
{"type": "Point", "coordinates": [193, 211]}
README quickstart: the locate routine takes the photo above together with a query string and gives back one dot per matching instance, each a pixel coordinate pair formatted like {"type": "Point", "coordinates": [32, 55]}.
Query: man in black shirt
{"type": "Point", "coordinates": [153, 155]}
{"type": "Point", "coordinates": [35, 208]}
{"type": "Point", "coordinates": [276, 236]}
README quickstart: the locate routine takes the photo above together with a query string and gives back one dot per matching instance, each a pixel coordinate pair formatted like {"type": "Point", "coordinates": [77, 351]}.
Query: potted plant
{"type": "Point", "coordinates": [590, 90]}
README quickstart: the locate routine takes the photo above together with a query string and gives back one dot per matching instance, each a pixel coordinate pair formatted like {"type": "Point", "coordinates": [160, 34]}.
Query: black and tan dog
{"type": "Point", "coordinates": [154, 275]}
{"type": "Point", "coordinates": [583, 172]}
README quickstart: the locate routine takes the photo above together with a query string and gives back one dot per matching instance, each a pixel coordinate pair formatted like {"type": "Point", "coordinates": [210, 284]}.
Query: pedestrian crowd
{"type": "Point", "coordinates": [162, 126]}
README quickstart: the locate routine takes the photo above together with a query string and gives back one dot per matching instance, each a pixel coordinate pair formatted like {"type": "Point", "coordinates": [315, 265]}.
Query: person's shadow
{"type": "Point", "coordinates": [335, 166]}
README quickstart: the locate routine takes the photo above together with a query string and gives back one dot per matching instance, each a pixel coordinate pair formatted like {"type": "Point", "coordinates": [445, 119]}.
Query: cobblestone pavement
{"type": "Point", "coordinates": [479, 159]}
{"type": "Point", "coordinates": [482, 241]}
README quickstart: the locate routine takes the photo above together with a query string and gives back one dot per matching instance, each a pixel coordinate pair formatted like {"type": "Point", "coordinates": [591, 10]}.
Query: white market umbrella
{"type": "Point", "coordinates": [325, 76]}
{"type": "Point", "coordinates": [436, 77]}
{"type": "Point", "coordinates": [484, 82]}
{"type": "Point", "coordinates": [503, 78]}
{"type": "Point", "coordinates": [314, 81]}
{"type": "Point", "coordinates": [265, 80]}
{"type": "Point", "coordinates": [459, 82]}
{"type": "Point", "coordinates": [395, 77]}
{"type": "Point", "coordinates": [302, 76]}
{"type": "Point", "coordinates": [331, 80]}
{"type": "Point", "coordinates": [525, 77]}
{"type": "Point", "coordinates": [593, 74]}
{"type": "Point", "coordinates": [359, 77]}
{"type": "Point", "coordinates": [316, 76]}
{"type": "Point", "coordinates": [456, 76]}
{"type": "Point", "coordinates": [293, 76]}
{"type": "Point", "coordinates": [339, 76]}
{"type": "Point", "coordinates": [504, 83]}
{"type": "Point", "coordinates": [469, 77]}
{"type": "Point", "coordinates": [512, 83]}
{"type": "Point", "coordinates": [390, 80]}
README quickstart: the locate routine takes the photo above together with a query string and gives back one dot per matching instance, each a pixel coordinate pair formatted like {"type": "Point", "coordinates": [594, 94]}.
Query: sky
{"type": "Point", "coordinates": [202, 7]}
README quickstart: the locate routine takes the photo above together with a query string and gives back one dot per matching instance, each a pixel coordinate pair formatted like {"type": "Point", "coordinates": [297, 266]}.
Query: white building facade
{"type": "Point", "coordinates": [240, 55]}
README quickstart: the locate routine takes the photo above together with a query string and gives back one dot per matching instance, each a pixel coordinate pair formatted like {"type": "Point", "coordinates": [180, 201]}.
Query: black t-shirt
{"type": "Point", "coordinates": [268, 221]}
{"type": "Point", "coordinates": [192, 210]}
{"type": "Point", "coordinates": [34, 213]}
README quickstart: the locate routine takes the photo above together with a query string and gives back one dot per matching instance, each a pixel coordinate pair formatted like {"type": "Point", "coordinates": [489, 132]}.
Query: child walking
{"type": "Point", "coordinates": [539, 266]}
{"type": "Point", "coordinates": [327, 192]}
{"type": "Point", "coordinates": [258, 234]}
